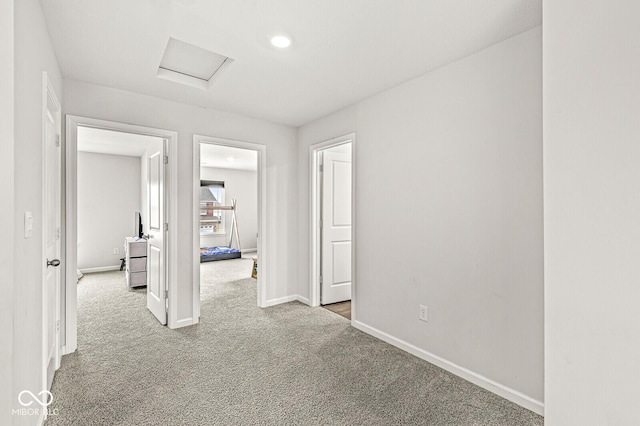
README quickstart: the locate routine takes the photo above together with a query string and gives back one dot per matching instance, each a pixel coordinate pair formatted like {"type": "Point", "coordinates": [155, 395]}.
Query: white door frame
{"type": "Point", "coordinates": [262, 213]}
{"type": "Point", "coordinates": [71, 216]}
{"type": "Point", "coordinates": [50, 102]}
{"type": "Point", "coordinates": [314, 228]}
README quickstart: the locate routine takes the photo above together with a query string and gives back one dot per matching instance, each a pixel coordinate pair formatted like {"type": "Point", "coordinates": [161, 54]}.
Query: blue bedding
{"type": "Point", "coordinates": [208, 254]}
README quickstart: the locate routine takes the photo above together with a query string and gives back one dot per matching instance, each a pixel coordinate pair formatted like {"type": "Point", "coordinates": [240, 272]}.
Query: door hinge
{"type": "Point", "coordinates": [166, 294]}
{"type": "Point", "coordinates": [320, 279]}
{"type": "Point", "coordinates": [58, 233]}
{"type": "Point", "coordinates": [166, 226]}
{"type": "Point", "coordinates": [320, 223]}
{"type": "Point", "coordinates": [321, 168]}
{"type": "Point", "coordinates": [57, 140]}
{"type": "Point", "coordinates": [57, 326]}
{"type": "Point", "coordinates": [166, 159]}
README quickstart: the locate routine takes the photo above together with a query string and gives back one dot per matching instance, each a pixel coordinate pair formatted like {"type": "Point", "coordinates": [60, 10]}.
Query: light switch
{"type": "Point", "coordinates": [28, 224]}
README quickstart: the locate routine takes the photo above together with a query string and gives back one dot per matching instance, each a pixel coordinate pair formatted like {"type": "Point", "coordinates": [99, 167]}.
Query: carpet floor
{"type": "Point", "coordinates": [285, 365]}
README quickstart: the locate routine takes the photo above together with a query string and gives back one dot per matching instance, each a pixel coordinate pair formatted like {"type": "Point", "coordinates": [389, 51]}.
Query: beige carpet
{"type": "Point", "coordinates": [285, 365]}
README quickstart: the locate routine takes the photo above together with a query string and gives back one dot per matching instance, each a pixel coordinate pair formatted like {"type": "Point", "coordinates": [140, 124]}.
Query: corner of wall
{"type": "Point", "coordinates": [8, 223]}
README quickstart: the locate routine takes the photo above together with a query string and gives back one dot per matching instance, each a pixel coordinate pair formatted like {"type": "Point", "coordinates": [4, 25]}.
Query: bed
{"type": "Point", "coordinates": [209, 254]}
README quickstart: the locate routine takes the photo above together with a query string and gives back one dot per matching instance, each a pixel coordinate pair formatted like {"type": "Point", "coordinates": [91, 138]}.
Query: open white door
{"type": "Point", "coordinates": [156, 253]}
{"type": "Point", "coordinates": [336, 227]}
{"type": "Point", "coordinates": [51, 218]}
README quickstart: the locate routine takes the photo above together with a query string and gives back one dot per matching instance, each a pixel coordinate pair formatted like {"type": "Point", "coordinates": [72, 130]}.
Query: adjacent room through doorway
{"type": "Point", "coordinates": [112, 183]}
{"type": "Point", "coordinates": [228, 219]}
{"type": "Point", "coordinates": [115, 192]}
{"type": "Point", "coordinates": [118, 185]}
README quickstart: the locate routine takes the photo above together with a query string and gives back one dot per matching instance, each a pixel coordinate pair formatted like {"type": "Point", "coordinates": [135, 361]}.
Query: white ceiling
{"type": "Point", "coordinates": [112, 142]}
{"type": "Point", "coordinates": [344, 50]}
{"type": "Point", "coordinates": [225, 157]}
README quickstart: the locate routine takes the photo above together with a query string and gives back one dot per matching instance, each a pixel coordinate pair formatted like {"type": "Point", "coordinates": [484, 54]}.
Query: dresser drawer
{"type": "Point", "coordinates": [136, 279]}
{"type": "Point", "coordinates": [137, 264]}
{"type": "Point", "coordinates": [137, 249]}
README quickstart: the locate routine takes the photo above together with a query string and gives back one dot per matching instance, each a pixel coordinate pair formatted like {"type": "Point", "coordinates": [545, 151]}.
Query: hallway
{"type": "Point", "coordinates": [289, 364]}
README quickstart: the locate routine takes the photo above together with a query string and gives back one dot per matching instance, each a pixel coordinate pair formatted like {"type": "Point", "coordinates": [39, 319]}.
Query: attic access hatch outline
{"type": "Point", "coordinates": [188, 64]}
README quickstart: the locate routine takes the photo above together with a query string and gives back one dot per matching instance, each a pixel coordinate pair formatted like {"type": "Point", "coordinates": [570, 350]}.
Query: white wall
{"type": "Point", "coordinates": [592, 212]}
{"type": "Point", "coordinates": [108, 195]}
{"type": "Point", "coordinates": [33, 54]}
{"type": "Point", "coordinates": [127, 107]}
{"type": "Point", "coordinates": [456, 156]}
{"type": "Point", "coordinates": [7, 221]}
{"type": "Point", "coordinates": [243, 186]}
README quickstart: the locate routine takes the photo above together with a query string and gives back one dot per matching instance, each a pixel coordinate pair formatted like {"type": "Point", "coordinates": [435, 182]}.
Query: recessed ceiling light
{"type": "Point", "coordinates": [231, 158]}
{"type": "Point", "coordinates": [281, 41]}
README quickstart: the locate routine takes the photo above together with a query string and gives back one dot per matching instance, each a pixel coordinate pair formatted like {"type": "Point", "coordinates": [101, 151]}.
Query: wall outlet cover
{"type": "Point", "coordinates": [424, 313]}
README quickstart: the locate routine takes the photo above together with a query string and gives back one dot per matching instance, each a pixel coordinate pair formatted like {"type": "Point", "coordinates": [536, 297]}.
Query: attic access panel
{"type": "Point", "coordinates": [191, 65]}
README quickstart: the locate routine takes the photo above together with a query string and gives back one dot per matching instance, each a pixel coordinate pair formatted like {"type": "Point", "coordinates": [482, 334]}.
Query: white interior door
{"type": "Point", "coordinates": [336, 227]}
{"type": "Point", "coordinates": [156, 253]}
{"type": "Point", "coordinates": [51, 240]}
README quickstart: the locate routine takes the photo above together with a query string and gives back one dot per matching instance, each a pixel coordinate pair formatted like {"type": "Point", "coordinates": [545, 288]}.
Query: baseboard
{"type": "Point", "coordinates": [250, 250]}
{"type": "Point", "coordinates": [100, 269]}
{"type": "Point", "coordinates": [475, 378]}
{"type": "Point", "coordinates": [304, 300]}
{"type": "Point", "coordinates": [280, 300]}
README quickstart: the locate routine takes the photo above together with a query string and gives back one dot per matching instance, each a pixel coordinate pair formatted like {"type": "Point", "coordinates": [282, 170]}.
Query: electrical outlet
{"type": "Point", "coordinates": [116, 251]}
{"type": "Point", "coordinates": [424, 313]}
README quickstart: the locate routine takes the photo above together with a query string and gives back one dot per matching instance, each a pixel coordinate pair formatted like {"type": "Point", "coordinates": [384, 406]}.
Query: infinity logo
{"type": "Point", "coordinates": [46, 400]}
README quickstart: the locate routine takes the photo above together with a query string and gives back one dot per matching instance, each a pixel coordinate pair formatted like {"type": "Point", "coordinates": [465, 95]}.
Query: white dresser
{"type": "Point", "coordinates": [135, 252]}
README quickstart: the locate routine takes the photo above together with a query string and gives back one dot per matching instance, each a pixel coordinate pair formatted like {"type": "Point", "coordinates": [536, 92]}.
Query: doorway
{"type": "Point", "coordinates": [332, 225]}
{"type": "Point", "coordinates": [222, 227]}
{"type": "Point", "coordinates": [166, 197]}
{"type": "Point", "coordinates": [116, 172]}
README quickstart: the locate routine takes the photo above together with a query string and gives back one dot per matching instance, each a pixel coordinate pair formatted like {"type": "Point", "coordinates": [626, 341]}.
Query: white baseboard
{"type": "Point", "coordinates": [100, 269]}
{"type": "Point", "coordinates": [249, 250]}
{"type": "Point", "coordinates": [475, 378]}
{"type": "Point", "coordinates": [304, 300]}
{"type": "Point", "coordinates": [280, 300]}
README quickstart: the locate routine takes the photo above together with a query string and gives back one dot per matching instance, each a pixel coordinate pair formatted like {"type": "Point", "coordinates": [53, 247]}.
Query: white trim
{"type": "Point", "coordinates": [100, 269]}
{"type": "Point", "coordinates": [473, 377]}
{"type": "Point", "coordinates": [303, 299]}
{"type": "Point", "coordinates": [71, 234]}
{"type": "Point", "coordinates": [262, 214]}
{"type": "Point", "coordinates": [279, 300]}
{"type": "Point", "coordinates": [71, 237]}
{"type": "Point", "coordinates": [314, 255]}
{"type": "Point", "coordinates": [249, 250]}
{"type": "Point", "coordinates": [195, 269]}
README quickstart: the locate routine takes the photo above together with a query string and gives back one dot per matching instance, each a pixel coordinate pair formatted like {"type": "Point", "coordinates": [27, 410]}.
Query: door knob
{"type": "Point", "coordinates": [53, 262]}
